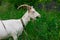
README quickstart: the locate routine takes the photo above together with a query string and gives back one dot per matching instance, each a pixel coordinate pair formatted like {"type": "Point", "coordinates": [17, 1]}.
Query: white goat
{"type": "Point", "coordinates": [14, 27]}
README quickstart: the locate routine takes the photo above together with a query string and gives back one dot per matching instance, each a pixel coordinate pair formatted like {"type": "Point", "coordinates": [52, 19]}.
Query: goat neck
{"type": "Point", "coordinates": [26, 18]}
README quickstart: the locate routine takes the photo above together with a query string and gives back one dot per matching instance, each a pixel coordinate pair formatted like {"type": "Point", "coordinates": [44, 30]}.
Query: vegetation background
{"type": "Point", "coordinates": [45, 28]}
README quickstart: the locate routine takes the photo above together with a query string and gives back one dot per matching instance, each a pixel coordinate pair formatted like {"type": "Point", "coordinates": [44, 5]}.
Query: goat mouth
{"type": "Point", "coordinates": [37, 17]}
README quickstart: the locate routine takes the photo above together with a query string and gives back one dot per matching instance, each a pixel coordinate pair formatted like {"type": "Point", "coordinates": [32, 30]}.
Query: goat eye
{"type": "Point", "coordinates": [33, 12]}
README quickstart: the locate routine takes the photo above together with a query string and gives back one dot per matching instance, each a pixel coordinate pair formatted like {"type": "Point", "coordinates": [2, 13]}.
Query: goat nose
{"type": "Point", "coordinates": [39, 16]}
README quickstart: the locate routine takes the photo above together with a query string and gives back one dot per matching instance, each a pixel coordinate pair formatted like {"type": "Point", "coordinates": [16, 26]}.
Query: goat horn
{"type": "Point", "coordinates": [23, 6]}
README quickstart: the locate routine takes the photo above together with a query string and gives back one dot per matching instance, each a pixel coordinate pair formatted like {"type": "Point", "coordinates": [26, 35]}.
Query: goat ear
{"type": "Point", "coordinates": [29, 8]}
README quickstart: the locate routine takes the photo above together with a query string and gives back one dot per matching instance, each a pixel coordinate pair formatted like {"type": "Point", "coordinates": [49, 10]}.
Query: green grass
{"type": "Point", "coordinates": [45, 28]}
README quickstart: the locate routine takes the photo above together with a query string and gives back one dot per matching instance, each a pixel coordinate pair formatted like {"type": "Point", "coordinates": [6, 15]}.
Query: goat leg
{"type": "Point", "coordinates": [14, 36]}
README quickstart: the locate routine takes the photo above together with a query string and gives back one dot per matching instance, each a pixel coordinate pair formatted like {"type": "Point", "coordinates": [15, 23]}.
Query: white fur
{"type": "Point", "coordinates": [14, 27]}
